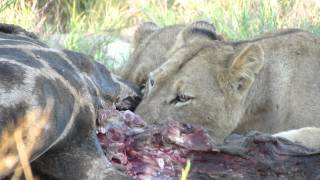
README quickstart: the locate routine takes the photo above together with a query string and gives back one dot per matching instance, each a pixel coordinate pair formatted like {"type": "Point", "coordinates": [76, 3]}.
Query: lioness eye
{"type": "Point", "coordinates": [181, 98]}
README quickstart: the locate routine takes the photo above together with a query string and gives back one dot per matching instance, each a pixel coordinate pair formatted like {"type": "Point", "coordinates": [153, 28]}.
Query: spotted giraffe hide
{"type": "Point", "coordinates": [30, 74]}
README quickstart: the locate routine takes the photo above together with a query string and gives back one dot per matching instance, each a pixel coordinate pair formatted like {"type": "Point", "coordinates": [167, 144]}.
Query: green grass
{"type": "Point", "coordinates": [186, 171]}
{"type": "Point", "coordinates": [234, 19]}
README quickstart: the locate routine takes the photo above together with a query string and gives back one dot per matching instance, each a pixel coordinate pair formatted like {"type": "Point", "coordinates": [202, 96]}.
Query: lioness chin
{"type": "Point", "coordinates": [269, 84]}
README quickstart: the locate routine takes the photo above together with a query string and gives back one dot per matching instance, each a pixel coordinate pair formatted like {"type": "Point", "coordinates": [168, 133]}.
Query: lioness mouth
{"type": "Point", "coordinates": [160, 151]}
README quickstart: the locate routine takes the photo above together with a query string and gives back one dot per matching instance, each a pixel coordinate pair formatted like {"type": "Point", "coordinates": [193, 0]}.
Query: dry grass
{"type": "Point", "coordinates": [235, 19]}
{"type": "Point", "coordinates": [18, 143]}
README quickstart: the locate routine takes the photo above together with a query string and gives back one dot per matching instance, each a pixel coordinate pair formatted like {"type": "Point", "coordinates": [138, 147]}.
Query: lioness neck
{"type": "Point", "coordinates": [284, 94]}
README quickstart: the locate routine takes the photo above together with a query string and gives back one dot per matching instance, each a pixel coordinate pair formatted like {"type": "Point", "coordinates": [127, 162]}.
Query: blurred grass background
{"type": "Point", "coordinates": [89, 26]}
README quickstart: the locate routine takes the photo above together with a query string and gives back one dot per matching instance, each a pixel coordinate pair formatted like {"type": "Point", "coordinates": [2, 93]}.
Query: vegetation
{"type": "Point", "coordinates": [235, 19]}
{"type": "Point", "coordinates": [185, 171]}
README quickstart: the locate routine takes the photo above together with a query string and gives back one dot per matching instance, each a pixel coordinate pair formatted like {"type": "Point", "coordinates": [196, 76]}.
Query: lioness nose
{"type": "Point", "coordinates": [147, 113]}
{"type": "Point", "coordinates": [140, 110]}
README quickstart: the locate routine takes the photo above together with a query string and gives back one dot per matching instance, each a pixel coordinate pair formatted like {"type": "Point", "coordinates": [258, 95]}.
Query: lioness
{"type": "Point", "coordinates": [152, 43]}
{"type": "Point", "coordinates": [269, 84]}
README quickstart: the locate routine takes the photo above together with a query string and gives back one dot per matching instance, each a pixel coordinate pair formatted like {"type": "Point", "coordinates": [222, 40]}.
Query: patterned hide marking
{"type": "Point", "coordinates": [62, 67]}
{"type": "Point", "coordinates": [83, 124]}
{"type": "Point", "coordinates": [77, 150]}
{"type": "Point", "coordinates": [64, 103]}
{"type": "Point", "coordinates": [81, 61]}
{"type": "Point", "coordinates": [11, 75]}
{"type": "Point", "coordinates": [11, 114]}
{"type": "Point", "coordinates": [18, 55]}
{"type": "Point", "coordinates": [79, 86]}
{"type": "Point", "coordinates": [94, 94]}
{"type": "Point", "coordinates": [15, 43]}
{"type": "Point", "coordinates": [21, 38]}
{"type": "Point", "coordinates": [108, 88]}
{"type": "Point", "coordinates": [81, 129]}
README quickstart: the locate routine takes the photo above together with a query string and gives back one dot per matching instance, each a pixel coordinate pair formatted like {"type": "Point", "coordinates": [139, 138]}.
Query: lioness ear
{"type": "Point", "coordinates": [245, 67]}
{"type": "Point", "coordinates": [143, 31]}
{"type": "Point", "coordinates": [199, 29]}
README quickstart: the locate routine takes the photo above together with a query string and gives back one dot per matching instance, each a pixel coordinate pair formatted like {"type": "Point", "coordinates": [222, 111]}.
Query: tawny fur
{"type": "Point", "coordinates": [152, 44]}
{"type": "Point", "coordinates": [308, 136]}
{"type": "Point", "coordinates": [269, 84]}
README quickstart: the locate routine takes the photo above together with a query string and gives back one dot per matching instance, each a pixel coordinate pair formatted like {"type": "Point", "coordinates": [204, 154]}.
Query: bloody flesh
{"type": "Point", "coordinates": [160, 151]}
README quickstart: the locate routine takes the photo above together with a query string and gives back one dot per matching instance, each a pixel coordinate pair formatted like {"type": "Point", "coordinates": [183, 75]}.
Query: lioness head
{"type": "Point", "coordinates": [204, 82]}
{"type": "Point", "coordinates": [152, 43]}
